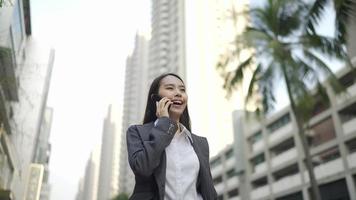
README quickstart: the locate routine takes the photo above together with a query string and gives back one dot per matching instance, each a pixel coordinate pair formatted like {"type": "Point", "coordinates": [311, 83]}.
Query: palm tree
{"type": "Point", "coordinates": [285, 45]}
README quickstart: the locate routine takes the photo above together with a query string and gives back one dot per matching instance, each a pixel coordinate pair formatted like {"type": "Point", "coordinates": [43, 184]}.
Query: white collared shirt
{"type": "Point", "coordinates": [182, 168]}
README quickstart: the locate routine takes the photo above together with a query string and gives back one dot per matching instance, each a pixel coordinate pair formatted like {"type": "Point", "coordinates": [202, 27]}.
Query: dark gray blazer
{"type": "Point", "coordinates": [147, 158]}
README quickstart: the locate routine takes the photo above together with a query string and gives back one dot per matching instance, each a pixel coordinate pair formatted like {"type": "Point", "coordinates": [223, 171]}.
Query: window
{"type": "Point", "coordinates": [215, 162]}
{"type": "Point", "coordinates": [347, 80]}
{"type": "Point", "coordinates": [326, 156]}
{"type": "Point", "coordinates": [258, 159]}
{"type": "Point", "coordinates": [231, 173]}
{"type": "Point", "coordinates": [322, 132]}
{"type": "Point", "coordinates": [285, 119]}
{"type": "Point", "coordinates": [259, 182]}
{"type": "Point", "coordinates": [233, 193]}
{"type": "Point", "coordinates": [256, 137]}
{"type": "Point", "coordinates": [229, 153]}
{"type": "Point", "coordinates": [351, 146]}
{"type": "Point", "coordinates": [348, 113]}
{"type": "Point", "coordinates": [217, 180]}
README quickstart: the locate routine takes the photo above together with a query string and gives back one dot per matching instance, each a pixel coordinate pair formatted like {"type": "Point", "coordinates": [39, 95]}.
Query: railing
{"type": "Point", "coordinates": [349, 126]}
{"type": "Point", "coordinates": [352, 160]}
{"type": "Point", "coordinates": [327, 169]}
{"type": "Point", "coordinates": [230, 162]}
{"type": "Point", "coordinates": [260, 168]}
{"type": "Point", "coordinates": [351, 91]}
{"type": "Point", "coordinates": [233, 182]}
{"type": "Point", "coordinates": [260, 192]}
{"type": "Point", "coordinates": [258, 146]}
{"type": "Point", "coordinates": [220, 188]}
{"type": "Point", "coordinates": [284, 157]}
{"type": "Point", "coordinates": [280, 133]}
{"type": "Point", "coordinates": [217, 170]}
{"type": "Point", "coordinates": [287, 183]}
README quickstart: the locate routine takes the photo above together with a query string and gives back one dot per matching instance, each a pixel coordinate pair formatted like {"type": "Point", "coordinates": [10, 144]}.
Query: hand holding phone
{"type": "Point", "coordinates": [162, 109]}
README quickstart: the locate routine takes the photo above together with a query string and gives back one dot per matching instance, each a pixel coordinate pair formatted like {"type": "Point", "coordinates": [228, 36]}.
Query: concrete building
{"type": "Point", "coordinates": [109, 159]}
{"type": "Point", "coordinates": [135, 95]}
{"type": "Point", "coordinates": [25, 75]}
{"type": "Point", "coordinates": [167, 44]}
{"type": "Point", "coordinates": [268, 158]}
{"type": "Point", "coordinates": [90, 185]}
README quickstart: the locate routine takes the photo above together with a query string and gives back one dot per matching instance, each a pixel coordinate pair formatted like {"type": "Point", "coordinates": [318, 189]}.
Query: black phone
{"type": "Point", "coordinates": [156, 97]}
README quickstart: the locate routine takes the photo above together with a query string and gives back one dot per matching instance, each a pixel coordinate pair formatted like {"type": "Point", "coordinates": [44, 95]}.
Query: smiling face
{"type": "Point", "coordinates": [174, 89]}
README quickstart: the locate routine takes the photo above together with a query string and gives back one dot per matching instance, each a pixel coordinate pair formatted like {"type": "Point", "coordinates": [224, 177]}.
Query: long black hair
{"type": "Point", "coordinates": [150, 113]}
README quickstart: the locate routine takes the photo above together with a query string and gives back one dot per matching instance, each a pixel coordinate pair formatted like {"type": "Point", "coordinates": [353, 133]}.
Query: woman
{"type": "Point", "coordinates": [169, 162]}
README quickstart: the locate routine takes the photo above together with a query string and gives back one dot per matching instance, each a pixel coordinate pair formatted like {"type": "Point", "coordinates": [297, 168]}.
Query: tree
{"type": "Point", "coordinates": [285, 46]}
{"type": "Point", "coordinates": [121, 196]}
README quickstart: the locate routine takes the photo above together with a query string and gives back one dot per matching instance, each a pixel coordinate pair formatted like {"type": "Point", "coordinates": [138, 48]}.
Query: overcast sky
{"type": "Point", "coordinates": [92, 40]}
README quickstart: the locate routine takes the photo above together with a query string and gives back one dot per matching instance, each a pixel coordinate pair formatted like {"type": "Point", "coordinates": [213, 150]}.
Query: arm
{"type": "Point", "coordinates": [145, 156]}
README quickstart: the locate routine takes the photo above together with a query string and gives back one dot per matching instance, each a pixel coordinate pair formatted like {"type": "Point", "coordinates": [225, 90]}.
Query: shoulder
{"type": "Point", "coordinates": [199, 138]}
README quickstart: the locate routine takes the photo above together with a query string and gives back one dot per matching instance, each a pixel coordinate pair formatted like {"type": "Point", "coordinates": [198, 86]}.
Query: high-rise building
{"type": "Point", "coordinates": [79, 195]}
{"type": "Point", "coordinates": [25, 71]}
{"type": "Point", "coordinates": [90, 186]}
{"type": "Point", "coordinates": [109, 159]}
{"type": "Point", "coordinates": [268, 160]}
{"type": "Point", "coordinates": [167, 44]}
{"type": "Point", "coordinates": [210, 29]}
{"type": "Point", "coordinates": [135, 95]}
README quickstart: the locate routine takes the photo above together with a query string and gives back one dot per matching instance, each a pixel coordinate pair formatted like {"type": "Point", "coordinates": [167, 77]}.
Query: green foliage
{"type": "Point", "coordinates": [285, 47]}
{"type": "Point", "coordinates": [122, 196]}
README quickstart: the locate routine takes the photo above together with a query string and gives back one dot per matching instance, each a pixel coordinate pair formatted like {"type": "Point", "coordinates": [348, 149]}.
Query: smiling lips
{"type": "Point", "coordinates": [177, 103]}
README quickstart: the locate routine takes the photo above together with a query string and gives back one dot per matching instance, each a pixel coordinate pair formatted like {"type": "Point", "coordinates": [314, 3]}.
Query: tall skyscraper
{"type": "Point", "coordinates": [135, 95]}
{"type": "Point", "coordinates": [167, 44]}
{"type": "Point", "coordinates": [90, 187]}
{"type": "Point", "coordinates": [109, 159]}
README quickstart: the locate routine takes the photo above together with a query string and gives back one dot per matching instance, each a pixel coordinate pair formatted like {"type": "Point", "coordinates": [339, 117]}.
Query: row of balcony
{"type": "Point", "coordinates": [321, 171]}
{"type": "Point", "coordinates": [287, 130]}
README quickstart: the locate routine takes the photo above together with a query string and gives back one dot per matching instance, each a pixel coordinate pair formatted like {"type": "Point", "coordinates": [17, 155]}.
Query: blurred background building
{"type": "Point", "coordinates": [266, 160]}
{"type": "Point", "coordinates": [25, 72]}
{"type": "Point", "coordinates": [108, 181]}
{"type": "Point", "coordinates": [167, 43]}
{"type": "Point", "coordinates": [135, 94]}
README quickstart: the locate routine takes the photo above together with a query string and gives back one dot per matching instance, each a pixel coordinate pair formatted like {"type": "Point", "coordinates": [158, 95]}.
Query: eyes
{"type": "Point", "coordinates": [182, 89]}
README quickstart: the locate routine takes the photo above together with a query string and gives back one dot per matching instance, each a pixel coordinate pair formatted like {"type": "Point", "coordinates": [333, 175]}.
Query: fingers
{"type": "Point", "coordinates": [162, 107]}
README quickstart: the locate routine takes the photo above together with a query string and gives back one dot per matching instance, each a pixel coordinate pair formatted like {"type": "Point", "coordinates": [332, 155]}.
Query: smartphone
{"type": "Point", "coordinates": [156, 97]}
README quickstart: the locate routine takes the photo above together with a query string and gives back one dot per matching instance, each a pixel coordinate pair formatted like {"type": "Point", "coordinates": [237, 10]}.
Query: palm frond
{"type": "Point", "coordinates": [345, 11]}
{"type": "Point", "coordinates": [315, 14]}
{"type": "Point", "coordinates": [322, 67]}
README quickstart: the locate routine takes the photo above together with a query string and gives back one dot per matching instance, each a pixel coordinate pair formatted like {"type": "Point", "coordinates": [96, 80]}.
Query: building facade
{"type": "Point", "coordinates": [167, 44]}
{"type": "Point", "coordinates": [135, 95]}
{"type": "Point", "coordinates": [25, 71]}
{"type": "Point", "coordinates": [268, 157]}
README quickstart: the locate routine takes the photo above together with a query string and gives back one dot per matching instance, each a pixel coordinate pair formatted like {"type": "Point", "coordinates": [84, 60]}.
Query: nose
{"type": "Point", "coordinates": [178, 93]}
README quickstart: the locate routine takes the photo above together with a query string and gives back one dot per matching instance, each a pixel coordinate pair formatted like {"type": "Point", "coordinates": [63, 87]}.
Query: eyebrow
{"type": "Point", "coordinates": [170, 84]}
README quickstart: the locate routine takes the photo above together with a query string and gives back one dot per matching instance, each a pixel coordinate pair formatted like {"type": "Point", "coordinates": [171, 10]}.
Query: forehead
{"type": "Point", "coordinates": [171, 80]}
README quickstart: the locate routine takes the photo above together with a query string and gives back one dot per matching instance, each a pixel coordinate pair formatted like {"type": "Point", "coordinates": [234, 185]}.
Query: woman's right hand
{"type": "Point", "coordinates": [162, 107]}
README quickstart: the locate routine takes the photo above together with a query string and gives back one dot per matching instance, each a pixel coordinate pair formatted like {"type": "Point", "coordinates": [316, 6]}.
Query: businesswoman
{"type": "Point", "coordinates": [169, 162]}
